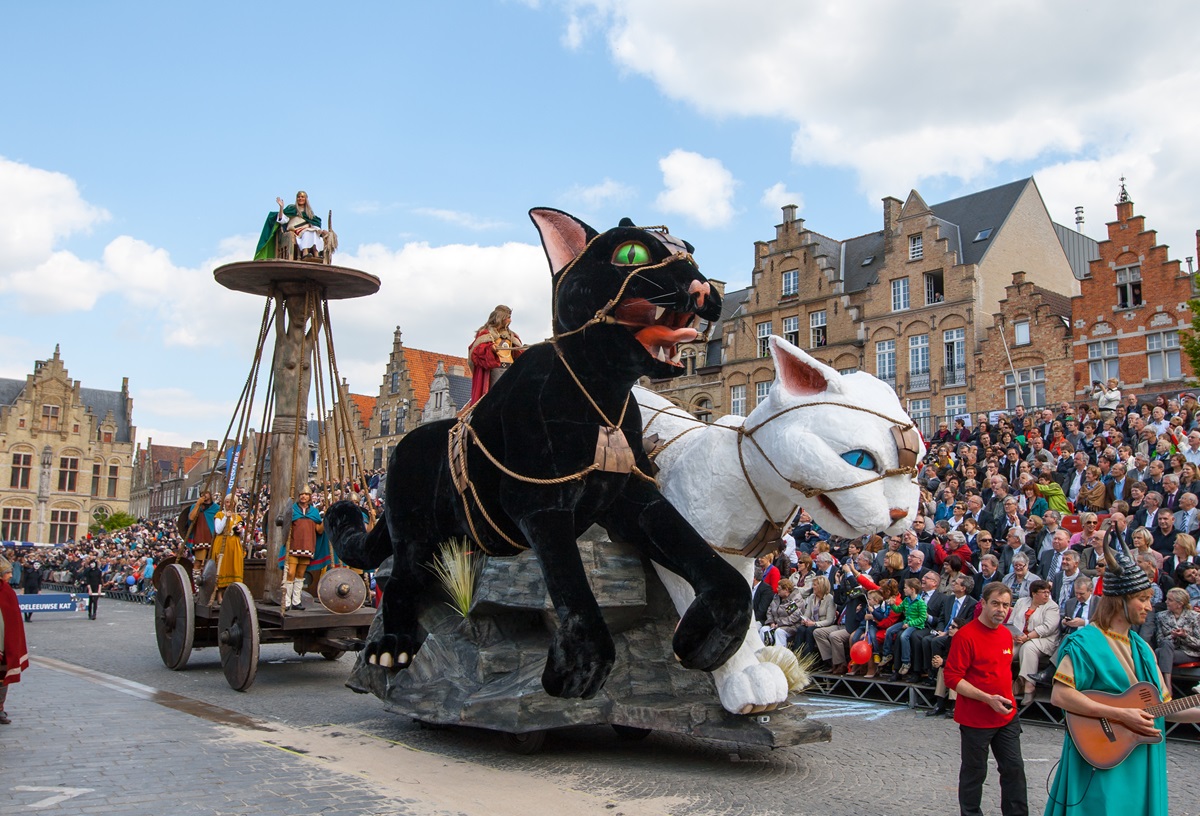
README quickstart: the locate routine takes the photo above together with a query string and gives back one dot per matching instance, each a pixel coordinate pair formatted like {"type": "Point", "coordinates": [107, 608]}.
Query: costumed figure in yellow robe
{"type": "Point", "coordinates": [227, 549]}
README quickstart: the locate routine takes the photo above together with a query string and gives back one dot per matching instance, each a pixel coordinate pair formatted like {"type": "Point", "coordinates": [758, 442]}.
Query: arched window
{"type": "Point", "coordinates": [703, 410]}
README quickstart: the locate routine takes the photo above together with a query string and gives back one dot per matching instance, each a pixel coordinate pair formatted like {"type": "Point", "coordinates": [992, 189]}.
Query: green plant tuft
{"type": "Point", "coordinates": [457, 567]}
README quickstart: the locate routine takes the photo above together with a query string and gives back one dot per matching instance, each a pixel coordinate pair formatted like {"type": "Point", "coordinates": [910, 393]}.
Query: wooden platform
{"type": "Point", "coordinates": [293, 277]}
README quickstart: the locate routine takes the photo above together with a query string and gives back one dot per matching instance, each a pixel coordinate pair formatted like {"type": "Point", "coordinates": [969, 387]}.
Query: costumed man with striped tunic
{"type": "Point", "coordinates": [203, 523]}
{"type": "Point", "coordinates": [306, 527]}
{"type": "Point", "coordinates": [1108, 655]}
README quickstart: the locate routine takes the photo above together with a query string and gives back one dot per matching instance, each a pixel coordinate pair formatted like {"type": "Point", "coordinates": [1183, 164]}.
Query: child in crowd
{"type": "Point", "coordinates": [913, 611]}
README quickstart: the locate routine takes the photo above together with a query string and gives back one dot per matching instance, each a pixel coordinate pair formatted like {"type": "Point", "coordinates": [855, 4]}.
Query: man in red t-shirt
{"type": "Point", "coordinates": [979, 668]}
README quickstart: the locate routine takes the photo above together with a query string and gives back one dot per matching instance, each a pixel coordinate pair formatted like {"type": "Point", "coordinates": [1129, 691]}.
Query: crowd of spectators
{"type": "Point", "coordinates": [127, 557]}
{"type": "Point", "coordinates": [1029, 501]}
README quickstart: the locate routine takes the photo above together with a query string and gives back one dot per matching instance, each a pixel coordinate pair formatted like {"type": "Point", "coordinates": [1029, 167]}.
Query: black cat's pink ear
{"type": "Point", "coordinates": [564, 236]}
{"type": "Point", "coordinates": [800, 375]}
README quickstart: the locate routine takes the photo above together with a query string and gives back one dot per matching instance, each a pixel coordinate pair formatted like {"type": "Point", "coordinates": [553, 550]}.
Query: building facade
{"type": "Point", "coordinates": [911, 303]}
{"type": "Point", "coordinates": [1130, 310]}
{"type": "Point", "coordinates": [1028, 348]}
{"type": "Point", "coordinates": [69, 452]}
{"type": "Point", "coordinates": [403, 395]}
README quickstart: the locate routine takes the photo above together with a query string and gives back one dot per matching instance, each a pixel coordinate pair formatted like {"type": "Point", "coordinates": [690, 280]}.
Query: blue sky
{"type": "Point", "coordinates": [141, 144]}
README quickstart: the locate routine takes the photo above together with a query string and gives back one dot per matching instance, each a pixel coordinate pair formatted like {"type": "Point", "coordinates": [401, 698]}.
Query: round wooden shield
{"type": "Point", "coordinates": [237, 637]}
{"type": "Point", "coordinates": [183, 524]}
{"type": "Point", "coordinates": [174, 616]}
{"type": "Point", "coordinates": [341, 590]}
{"type": "Point", "coordinates": [160, 569]}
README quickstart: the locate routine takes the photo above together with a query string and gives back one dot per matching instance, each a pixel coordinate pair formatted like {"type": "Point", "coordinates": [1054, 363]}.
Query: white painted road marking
{"type": "Point", "coordinates": [60, 795]}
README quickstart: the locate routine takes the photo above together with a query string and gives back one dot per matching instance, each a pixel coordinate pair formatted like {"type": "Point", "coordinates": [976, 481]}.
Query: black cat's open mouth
{"type": "Point", "coordinates": [658, 329]}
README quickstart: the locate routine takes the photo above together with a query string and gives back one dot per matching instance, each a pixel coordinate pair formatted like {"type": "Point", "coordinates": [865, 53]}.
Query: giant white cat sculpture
{"type": "Point", "coordinates": [838, 445]}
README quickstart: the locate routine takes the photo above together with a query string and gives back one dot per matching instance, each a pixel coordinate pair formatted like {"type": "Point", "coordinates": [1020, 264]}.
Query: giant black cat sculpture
{"type": "Point", "coordinates": [545, 454]}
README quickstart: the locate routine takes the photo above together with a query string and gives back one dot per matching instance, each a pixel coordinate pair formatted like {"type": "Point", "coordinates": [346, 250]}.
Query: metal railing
{"type": "Point", "coordinates": [952, 377]}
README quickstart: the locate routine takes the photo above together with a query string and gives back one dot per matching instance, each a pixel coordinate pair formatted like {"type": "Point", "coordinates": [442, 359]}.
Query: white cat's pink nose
{"type": "Point", "coordinates": [700, 290]}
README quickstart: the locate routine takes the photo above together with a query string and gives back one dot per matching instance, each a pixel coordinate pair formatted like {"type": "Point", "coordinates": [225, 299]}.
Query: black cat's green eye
{"type": "Point", "coordinates": [631, 253]}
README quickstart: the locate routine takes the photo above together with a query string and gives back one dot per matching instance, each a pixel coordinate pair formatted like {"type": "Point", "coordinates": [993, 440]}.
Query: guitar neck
{"type": "Point", "coordinates": [1174, 707]}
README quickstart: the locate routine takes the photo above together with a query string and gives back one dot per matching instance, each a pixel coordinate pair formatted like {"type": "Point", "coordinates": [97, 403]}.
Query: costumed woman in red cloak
{"type": "Point", "coordinates": [494, 349]}
{"type": "Point", "coordinates": [14, 656]}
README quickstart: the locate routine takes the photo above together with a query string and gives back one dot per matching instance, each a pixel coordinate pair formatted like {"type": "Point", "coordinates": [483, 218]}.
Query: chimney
{"type": "Point", "coordinates": [891, 213]}
{"type": "Point", "coordinates": [789, 213]}
{"type": "Point", "coordinates": [1079, 219]}
{"type": "Point", "coordinates": [458, 371]}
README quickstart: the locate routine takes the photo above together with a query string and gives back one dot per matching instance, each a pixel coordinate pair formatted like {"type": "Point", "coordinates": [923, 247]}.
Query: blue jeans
{"type": "Point", "coordinates": [906, 644]}
{"type": "Point", "coordinates": [889, 637]}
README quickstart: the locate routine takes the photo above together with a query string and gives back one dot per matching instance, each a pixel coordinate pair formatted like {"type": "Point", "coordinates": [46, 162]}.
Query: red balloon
{"type": "Point", "coordinates": [860, 652]}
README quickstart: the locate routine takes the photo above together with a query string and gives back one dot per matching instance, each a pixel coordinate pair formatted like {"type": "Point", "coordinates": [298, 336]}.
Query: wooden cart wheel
{"type": "Point", "coordinates": [631, 733]}
{"type": "Point", "coordinates": [174, 616]}
{"type": "Point", "coordinates": [528, 743]}
{"type": "Point", "coordinates": [237, 637]}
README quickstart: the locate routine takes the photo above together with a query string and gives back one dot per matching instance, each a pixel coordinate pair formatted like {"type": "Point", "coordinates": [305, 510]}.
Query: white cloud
{"type": "Point", "coordinates": [37, 209]}
{"type": "Point", "coordinates": [599, 195]}
{"type": "Point", "coordinates": [778, 195]}
{"type": "Point", "coordinates": [697, 187]}
{"type": "Point", "coordinates": [461, 219]}
{"type": "Point", "coordinates": [965, 91]}
{"type": "Point", "coordinates": [439, 296]}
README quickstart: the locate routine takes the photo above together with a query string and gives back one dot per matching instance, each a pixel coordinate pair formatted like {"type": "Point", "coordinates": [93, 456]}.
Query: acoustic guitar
{"type": "Point", "coordinates": [1105, 744]}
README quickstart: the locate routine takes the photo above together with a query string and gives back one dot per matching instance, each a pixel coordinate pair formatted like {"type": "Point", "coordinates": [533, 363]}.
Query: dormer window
{"type": "Point", "coordinates": [916, 247]}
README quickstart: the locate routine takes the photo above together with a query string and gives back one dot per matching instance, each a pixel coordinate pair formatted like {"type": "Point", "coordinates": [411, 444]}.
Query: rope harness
{"type": "Point", "coordinates": [769, 536]}
{"type": "Point", "coordinates": [613, 453]}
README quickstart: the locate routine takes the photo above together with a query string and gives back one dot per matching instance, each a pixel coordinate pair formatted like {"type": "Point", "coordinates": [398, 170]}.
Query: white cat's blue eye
{"type": "Point", "coordinates": [860, 459]}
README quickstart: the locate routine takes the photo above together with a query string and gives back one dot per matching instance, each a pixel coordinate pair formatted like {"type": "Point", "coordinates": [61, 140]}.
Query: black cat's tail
{"type": "Point", "coordinates": [350, 540]}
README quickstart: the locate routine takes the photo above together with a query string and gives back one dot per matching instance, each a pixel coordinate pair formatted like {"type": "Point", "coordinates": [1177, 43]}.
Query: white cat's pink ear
{"type": "Point", "coordinates": [800, 375]}
{"type": "Point", "coordinates": [564, 236]}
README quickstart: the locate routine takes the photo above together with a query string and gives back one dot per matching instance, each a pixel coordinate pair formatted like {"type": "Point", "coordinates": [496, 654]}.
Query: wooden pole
{"type": "Point", "coordinates": [289, 428]}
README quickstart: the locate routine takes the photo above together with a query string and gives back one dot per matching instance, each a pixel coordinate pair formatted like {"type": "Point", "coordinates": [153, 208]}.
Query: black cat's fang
{"type": "Point", "coordinates": [659, 330]}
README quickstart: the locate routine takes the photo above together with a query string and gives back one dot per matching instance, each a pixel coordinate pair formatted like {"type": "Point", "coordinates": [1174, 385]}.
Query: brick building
{"type": "Point", "coordinates": [69, 450]}
{"type": "Point", "coordinates": [403, 394]}
{"type": "Point", "coordinates": [1028, 347]}
{"type": "Point", "coordinates": [1129, 312]}
{"type": "Point", "coordinates": [700, 389]}
{"type": "Point", "coordinates": [911, 303]}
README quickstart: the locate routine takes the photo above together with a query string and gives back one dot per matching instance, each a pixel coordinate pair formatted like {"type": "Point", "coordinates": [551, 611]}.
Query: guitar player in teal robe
{"type": "Point", "coordinates": [1109, 656]}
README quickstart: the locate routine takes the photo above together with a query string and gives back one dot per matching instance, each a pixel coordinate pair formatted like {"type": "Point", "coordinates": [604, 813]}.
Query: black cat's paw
{"type": "Point", "coordinates": [711, 630]}
{"type": "Point", "coordinates": [579, 661]}
{"type": "Point", "coordinates": [344, 518]}
{"type": "Point", "coordinates": [391, 652]}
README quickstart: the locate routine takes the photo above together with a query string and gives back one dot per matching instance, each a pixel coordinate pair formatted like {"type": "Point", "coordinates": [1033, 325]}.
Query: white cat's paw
{"type": "Point", "coordinates": [760, 687]}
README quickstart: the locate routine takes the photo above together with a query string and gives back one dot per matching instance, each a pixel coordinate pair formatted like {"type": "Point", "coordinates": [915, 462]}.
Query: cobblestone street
{"type": "Point", "coordinates": [99, 725]}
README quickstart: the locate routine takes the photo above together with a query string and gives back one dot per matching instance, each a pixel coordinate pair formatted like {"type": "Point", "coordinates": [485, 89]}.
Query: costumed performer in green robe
{"type": "Point", "coordinates": [298, 219]}
{"type": "Point", "coordinates": [1109, 655]}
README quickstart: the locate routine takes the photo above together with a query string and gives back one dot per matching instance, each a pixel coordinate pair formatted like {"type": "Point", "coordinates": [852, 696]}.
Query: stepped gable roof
{"type": "Point", "coordinates": [855, 274]}
{"type": "Point", "coordinates": [460, 389]}
{"type": "Point", "coordinates": [421, 367]}
{"type": "Point", "coordinates": [1059, 303]}
{"type": "Point", "coordinates": [986, 209]}
{"type": "Point", "coordinates": [98, 402]}
{"type": "Point", "coordinates": [366, 408]}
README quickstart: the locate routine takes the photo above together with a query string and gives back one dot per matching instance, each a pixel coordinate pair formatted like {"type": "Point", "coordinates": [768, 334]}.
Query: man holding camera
{"type": "Point", "coordinates": [1107, 397]}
